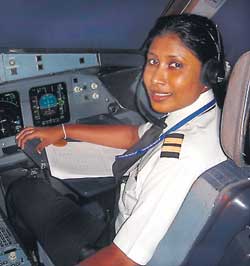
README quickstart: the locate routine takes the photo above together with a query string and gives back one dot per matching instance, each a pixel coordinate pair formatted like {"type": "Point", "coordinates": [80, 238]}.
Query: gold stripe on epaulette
{"type": "Point", "coordinates": [171, 149]}
{"type": "Point", "coordinates": [173, 140]}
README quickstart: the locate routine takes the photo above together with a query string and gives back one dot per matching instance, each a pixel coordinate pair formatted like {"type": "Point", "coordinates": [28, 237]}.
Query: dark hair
{"type": "Point", "coordinates": [201, 36]}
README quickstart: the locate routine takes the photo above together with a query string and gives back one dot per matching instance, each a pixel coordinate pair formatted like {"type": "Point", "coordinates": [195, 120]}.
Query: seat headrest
{"type": "Point", "coordinates": [235, 114]}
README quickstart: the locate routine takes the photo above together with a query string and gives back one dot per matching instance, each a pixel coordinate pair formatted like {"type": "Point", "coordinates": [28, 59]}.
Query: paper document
{"type": "Point", "coordinates": [81, 159]}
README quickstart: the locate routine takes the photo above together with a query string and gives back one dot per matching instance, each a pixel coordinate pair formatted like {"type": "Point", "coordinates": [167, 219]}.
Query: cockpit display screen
{"type": "Point", "coordinates": [49, 104]}
{"type": "Point", "coordinates": [10, 114]}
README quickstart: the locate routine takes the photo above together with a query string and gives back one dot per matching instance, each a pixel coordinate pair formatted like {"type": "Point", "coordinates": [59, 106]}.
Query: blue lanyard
{"type": "Point", "coordinates": [173, 128]}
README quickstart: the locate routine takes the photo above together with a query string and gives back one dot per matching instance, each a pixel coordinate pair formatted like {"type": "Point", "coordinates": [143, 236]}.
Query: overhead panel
{"type": "Point", "coordinates": [205, 7]}
{"type": "Point", "coordinates": [20, 66]}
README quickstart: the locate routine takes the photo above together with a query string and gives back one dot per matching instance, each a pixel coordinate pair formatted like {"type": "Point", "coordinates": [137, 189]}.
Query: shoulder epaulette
{"type": "Point", "coordinates": [171, 147]}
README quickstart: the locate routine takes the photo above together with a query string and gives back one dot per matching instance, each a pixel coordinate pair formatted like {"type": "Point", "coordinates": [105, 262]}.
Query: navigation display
{"type": "Point", "coordinates": [49, 104]}
{"type": "Point", "coordinates": [11, 121]}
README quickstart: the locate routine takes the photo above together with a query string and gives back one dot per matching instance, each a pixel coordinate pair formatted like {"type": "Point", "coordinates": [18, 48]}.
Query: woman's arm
{"type": "Point", "coordinates": [117, 136]}
{"type": "Point", "coordinates": [108, 256]}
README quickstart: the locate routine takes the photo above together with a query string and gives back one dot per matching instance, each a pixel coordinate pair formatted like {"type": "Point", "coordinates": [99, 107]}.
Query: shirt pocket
{"type": "Point", "coordinates": [129, 197]}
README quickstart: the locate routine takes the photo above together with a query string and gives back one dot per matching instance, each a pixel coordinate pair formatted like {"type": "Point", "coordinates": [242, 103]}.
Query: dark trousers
{"type": "Point", "coordinates": [39, 212]}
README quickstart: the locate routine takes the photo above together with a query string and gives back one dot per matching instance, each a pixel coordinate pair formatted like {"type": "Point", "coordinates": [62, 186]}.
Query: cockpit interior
{"type": "Point", "coordinates": [81, 62]}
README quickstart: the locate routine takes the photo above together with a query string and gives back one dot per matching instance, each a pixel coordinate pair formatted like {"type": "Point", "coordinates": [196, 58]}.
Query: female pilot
{"type": "Point", "coordinates": [183, 75]}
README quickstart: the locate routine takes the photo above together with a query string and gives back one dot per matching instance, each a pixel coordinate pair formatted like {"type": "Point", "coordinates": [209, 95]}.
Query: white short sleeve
{"type": "Point", "coordinates": [155, 210]}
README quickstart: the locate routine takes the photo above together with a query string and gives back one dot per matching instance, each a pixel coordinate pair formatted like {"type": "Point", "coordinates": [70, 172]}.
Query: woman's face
{"type": "Point", "coordinates": [172, 74]}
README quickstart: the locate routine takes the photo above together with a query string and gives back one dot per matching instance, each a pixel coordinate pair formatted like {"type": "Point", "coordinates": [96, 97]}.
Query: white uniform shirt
{"type": "Point", "coordinates": [148, 205]}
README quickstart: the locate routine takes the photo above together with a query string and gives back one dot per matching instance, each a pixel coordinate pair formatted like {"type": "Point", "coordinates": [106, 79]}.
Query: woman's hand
{"type": "Point", "coordinates": [47, 136]}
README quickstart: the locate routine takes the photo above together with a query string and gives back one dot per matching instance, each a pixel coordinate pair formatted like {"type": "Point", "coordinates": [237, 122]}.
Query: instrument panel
{"type": "Point", "coordinates": [66, 97]}
{"type": "Point", "coordinates": [11, 121]}
{"type": "Point", "coordinates": [49, 104]}
{"type": "Point", "coordinates": [75, 96]}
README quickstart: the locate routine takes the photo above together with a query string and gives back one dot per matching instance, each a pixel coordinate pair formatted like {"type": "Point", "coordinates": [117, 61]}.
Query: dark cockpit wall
{"type": "Point", "coordinates": [91, 26]}
{"type": "Point", "coordinates": [86, 25]}
{"type": "Point", "coordinates": [232, 18]}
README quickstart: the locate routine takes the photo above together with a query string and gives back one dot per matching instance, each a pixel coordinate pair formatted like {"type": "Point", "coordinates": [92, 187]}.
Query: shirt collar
{"type": "Point", "coordinates": [176, 116]}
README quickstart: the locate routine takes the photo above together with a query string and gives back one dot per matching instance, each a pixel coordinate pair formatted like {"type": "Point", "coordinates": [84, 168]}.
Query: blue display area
{"type": "Point", "coordinates": [95, 24]}
{"type": "Point", "coordinates": [48, 101]}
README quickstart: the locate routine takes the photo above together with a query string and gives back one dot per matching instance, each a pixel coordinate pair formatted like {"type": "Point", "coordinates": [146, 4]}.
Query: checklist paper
{"type": "Point", "coordinates": [81, 159]}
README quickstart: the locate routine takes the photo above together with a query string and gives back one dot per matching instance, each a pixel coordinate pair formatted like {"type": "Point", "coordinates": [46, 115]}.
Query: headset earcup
{"type": "Point", "coordinates": [213, 72]}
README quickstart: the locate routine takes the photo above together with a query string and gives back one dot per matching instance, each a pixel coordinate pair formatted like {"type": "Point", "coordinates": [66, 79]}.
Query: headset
{"type": "Point", "coordinates": [213, 71]}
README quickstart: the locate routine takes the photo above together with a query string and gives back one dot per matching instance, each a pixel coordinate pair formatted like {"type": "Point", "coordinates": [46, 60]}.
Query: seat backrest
{"type": "Point", "coordinates": [216, 208]}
